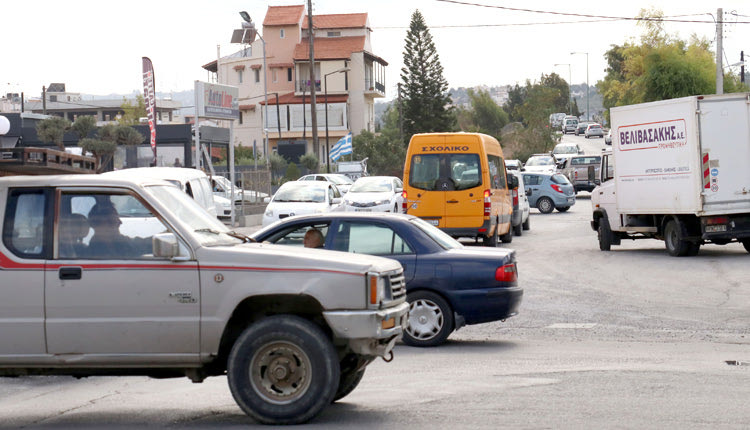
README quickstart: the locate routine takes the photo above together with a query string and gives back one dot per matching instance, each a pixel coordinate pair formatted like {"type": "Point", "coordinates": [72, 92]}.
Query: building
{"type": "Point", "coordinates": [345, 69]}
{"type": "Point", "coordinates": [57, 101]}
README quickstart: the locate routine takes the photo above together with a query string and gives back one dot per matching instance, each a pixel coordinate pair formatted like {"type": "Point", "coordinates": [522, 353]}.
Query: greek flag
{"type": "Point", "coordinates": [342, 147]}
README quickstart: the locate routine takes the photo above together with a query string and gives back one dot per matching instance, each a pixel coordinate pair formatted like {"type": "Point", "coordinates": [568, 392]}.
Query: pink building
{"type": "Point", "coordinates": [345, 69]}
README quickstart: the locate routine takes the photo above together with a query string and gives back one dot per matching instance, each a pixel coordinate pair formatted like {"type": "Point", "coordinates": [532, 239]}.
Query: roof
{"type": "Point", "coordinates": [291, 99]}
{"type": "Point", "coordinates": [283, 15]}
{"type": "Point", "coordinates": [330, 48]}
{"type": "Point", "coordinates": [343, 20]}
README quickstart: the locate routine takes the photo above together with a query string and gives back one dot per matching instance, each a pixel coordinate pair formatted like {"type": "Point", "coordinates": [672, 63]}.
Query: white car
{"type": "Point", "coordinates": [563, 151]}
{"type": "Point", "coordinates": [541, 163]}
{"type": "Point", "coordinates": [222, 187]}
{"type": "Point", "coordinates": [521, 220]}
{"type": "Point", "coordinates": [375, 194]}
{"type": "Point", "coordinates": [223, 206]}
{"type": "Point", "coordinates": [342, 182]}
{"type": "Point", "coordinates": [513, 165]}
{"type": "Point", "coordinates": [302, 197]}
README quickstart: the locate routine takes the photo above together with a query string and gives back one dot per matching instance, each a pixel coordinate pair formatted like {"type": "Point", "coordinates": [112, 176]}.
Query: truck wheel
{"type": "Point", "coordinates": [491, 241]}
{"type": "Point", "coordinates": [518, 230]}
{"type": "Point", "coordinates": [605, 236]}
{"type": "Point", "coordinates": [676, 245]}
{"type": "Point", "coordinates": [283, 370]}
{"type": "Point", "coordinates": [746, 244]}
{"type": "Point", "coordinates": [430, 319]}
{"type": "Point", "coordinates": [527, 224]}
{"type": "Point", "coordinates": [562, 208]}
{"type": "Point", "coordinates": [508, 237]}
{"type": "Point", "coordinates": [545, 205]}
{"type": "Point", "coordinates": [348, 382]}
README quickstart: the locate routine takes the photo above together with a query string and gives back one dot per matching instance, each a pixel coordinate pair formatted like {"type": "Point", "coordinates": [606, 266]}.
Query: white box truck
{"type": "Point", "coordinates": [678, 171]}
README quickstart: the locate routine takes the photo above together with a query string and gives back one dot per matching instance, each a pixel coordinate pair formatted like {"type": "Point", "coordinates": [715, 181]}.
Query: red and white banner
{"type": "Point", "coordinates": [149, 96]}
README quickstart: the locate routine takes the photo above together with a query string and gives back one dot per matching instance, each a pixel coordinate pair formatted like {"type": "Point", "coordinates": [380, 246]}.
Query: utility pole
{"type": "Point", "coordinates": [742, 67]}
{"type": "Point", "coordinates": [313, 109]}
{"type": "Point", "coordinates": [719, 49]}
{"type": "Point", "coordinates": [400, 116]}
{"type": "Point", "coordinates": [44, 100]}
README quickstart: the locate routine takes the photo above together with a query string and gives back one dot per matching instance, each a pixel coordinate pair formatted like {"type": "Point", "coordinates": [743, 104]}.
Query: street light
{"type": "Point", "coordinates": [587, 81]}
{"type": "Point", "coordinates": [249, 27]}
{"type": "Point", "coordinates": [325, 90]}
{"type": "Point", "coordinates": [570, 95]}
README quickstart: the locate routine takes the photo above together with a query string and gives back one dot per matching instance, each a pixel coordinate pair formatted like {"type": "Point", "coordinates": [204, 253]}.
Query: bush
{"type": "Point", "coordinates": [292, 172]}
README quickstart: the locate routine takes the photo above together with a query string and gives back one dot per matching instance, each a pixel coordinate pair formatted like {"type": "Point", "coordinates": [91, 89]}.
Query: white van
{"type": "Point", "coordinates": [192, 181]}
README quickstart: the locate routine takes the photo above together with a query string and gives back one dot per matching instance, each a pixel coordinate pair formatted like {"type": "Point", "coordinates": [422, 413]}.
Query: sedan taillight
{"type": "Point", "coordinates": [507, 273]}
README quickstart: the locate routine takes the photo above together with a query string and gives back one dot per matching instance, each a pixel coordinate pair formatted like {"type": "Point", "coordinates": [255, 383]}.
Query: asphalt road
{"type": "Point", "coordinates": [627, 339]}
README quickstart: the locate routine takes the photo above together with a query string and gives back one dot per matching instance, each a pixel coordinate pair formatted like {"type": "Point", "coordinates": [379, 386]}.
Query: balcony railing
{"type": "Point", "coordinates": [304, 85]}
{"type": "Point", "coordinates": [373, 85]}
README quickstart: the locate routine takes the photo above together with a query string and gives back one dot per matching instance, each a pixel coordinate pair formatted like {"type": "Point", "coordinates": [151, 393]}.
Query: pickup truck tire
{"type": "Point", "coordinates": [507, 237]}
{"type": "Point", "coordinates": [283, 369]}
{"type": "Point", "coordinates": [348, 382]}
{"type": "Point", "coordinates": [527, 224]}
{"type": "Point", "coordinates": [545, 205]}
{"type": "Point", "coordinates": [673, 239]}
{"type": "Point", "coordinates": [518, 230]}
{"type": "Point", "coordinates": [430, 319]}
{"type": "Point", "coordinates": [605, 236]}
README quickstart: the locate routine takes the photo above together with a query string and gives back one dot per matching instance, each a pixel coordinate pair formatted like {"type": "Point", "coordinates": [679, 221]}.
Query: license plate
{"type": "Point", "coordinates": [571, 201]}
{"type": "Point", "coordinates": [362, 210]}
{"type": "Point", "coordinates": [715, 228]}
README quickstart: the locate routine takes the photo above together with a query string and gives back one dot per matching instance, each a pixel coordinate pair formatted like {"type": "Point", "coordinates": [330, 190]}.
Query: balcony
{"type": "Point", "coordinates": [304, 85]}
{"type": "Point", "coordinates": [374, 89]}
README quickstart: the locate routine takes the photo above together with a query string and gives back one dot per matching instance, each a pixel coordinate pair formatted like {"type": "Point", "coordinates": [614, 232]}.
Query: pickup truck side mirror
{"type": "Point", "coordinates": [165, 245]}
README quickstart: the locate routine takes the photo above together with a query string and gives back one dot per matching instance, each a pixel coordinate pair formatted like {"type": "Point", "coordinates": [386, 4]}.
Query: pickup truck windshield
{"type": "Point", "coordinates": [207, 229]}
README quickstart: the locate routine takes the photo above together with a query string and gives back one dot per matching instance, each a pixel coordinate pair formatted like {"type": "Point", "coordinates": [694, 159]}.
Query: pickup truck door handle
{"type": "Point", "coordinates": [70, 273]}
{"type": "Point", "coordinates": [452, 201]}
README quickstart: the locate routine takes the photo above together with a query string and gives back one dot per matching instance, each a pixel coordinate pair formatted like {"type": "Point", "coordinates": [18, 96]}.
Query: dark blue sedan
{"type": "Point", "coordinates": [448, 285]}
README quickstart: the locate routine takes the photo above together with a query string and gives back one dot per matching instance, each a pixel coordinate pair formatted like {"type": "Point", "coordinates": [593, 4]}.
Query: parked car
{"type": "Point", "coordinates": [222, 187]}
{"type": "Point", "coordinates": [302, 197]}
{"type": "Point", "coordinates": [549, 192]}
{"type": "Point", "coordinates": [514, 165]}
{"type": "Point", "coordinates": [375, 194]}
{"type": "Point", "coordinates": [569, 125]}
{"type": "Point", "coordinates": [608, 138]}
{"type": "Point", "coordinates": [342, 182]}
{"type": "Point", "coordinates": [563, 151]}
{"type": "Point", "coordinates": [594, 130]}
{"type": "Point", "coordinates": [521, 209]}
{"type": "Point", "coordinates": [448, 285]}
{"type": "Point", "coordinates": [223, 206]}
{"type": "Point", "coordinates": [581, 127]}
{"type": "Point", "coordinates": [541, 163]}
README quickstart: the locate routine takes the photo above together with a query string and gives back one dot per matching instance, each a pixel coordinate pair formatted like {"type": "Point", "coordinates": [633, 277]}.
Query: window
{"type": "Point", "coordinates": [532, 179]}
{"type": "Point", "coordinates": [24, 230]}
{"type": "Point", "coordinates": [256, 73]}
{"type": "Point", "coordinates": [457, 171]}
{"type": "Point", "coordinates": [497, 171]}
{"type": "Point", "coordinates": [334, 34]}
{"type": "Point", "coordinates": [239, 75]}
{"type": "Point", "coordinates": [105, 226]}
{"type": "Point", "coordinates": [373, 239]}
{"type": "Point", "coordinates": [282, 33]}
{"type": "Point", "coordinates": [295, 236]}
{"type": "Point", "coordinates": [240, 117]}
{"type": "Point", "coordinates": [274, 78]}
{"type": "Point", "coordinates": [289, 74]}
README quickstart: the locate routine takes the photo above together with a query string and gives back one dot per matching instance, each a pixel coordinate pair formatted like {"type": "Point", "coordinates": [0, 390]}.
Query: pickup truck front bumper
{"type": "Point", "coordinates": [369, 332]}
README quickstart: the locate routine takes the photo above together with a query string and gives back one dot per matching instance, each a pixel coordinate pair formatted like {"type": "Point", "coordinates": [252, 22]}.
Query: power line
{"type": "Point", "coordinates": [579, 15]}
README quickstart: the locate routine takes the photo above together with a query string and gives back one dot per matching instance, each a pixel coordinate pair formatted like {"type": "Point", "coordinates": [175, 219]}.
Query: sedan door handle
{"type": "Point", "coordinates": [67, 273]}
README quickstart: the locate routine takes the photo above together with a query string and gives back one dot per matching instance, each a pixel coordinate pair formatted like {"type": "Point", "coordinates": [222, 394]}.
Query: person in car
{"type": "Point", "coordinates": [314, 238]}
{"type": "Point", "coordinates": [107, 241]}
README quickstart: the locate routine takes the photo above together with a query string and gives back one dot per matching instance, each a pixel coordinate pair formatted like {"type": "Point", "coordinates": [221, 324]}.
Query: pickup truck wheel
{"type": "Point", "coordinates": [676, 245]}
{"type": "Point", "coordinates": [348, 382]}
{"type": "Point", "coordinates": [283, 370]}
{"type": "Point", "coordinates": [545, 205]}
{"type": "Point", "coordinates": [430, 319]}
{"type": "Point", "coordinates": [605, 236]}
{"type": "Point", "coordinates": [527, 224]}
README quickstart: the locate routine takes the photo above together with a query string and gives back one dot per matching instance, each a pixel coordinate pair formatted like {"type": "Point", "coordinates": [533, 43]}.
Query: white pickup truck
{"type": "Point", "coordinates": [678, 171]}
{"type": "Point", "coordinates": [111, 276]}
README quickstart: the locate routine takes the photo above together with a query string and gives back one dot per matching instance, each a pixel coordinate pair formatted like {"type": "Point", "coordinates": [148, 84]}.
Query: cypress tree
{"type": "Point", "coordinates": [426, 102]}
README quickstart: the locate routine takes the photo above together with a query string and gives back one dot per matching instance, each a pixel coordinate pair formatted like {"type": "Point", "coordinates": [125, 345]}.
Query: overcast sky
{"type": "Point", "coordinates": [96, 47]}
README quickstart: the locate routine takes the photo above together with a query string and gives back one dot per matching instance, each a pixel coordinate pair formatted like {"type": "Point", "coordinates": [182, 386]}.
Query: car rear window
{"type": "Point", "coordinates": [559, 179]}
{"type": "Point", "coordinates": [428, 171]}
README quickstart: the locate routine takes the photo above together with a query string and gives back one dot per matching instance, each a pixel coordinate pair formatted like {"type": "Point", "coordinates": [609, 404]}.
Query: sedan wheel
{"type": "Point", "coordinates": [430, 319]}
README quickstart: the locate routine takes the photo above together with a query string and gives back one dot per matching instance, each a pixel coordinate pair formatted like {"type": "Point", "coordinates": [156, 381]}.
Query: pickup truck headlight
{"type": "Point", "coordinates": [379, 289]}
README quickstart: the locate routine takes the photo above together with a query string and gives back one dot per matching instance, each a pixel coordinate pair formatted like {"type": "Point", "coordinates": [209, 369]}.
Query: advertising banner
{"type": "Point", "coordinates": [149, 96]}
{"type": "Point", "coordinates": [217, 101]}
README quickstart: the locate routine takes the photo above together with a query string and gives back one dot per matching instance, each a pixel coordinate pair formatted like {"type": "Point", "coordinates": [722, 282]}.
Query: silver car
{"type": "Point", "coordinates": [594, 129]}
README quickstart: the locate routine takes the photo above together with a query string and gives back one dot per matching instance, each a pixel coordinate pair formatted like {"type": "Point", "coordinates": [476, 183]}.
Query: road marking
{"type": "Point", "coordinates": [572, 325]}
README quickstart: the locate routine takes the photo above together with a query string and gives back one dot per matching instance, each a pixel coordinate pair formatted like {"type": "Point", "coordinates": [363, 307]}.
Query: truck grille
{"type": "Point", "coordinates": [398, 285]}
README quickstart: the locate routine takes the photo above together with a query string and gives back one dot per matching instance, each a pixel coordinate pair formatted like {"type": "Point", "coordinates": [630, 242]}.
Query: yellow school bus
{"type": "Point", "coordinates": [458, 183]}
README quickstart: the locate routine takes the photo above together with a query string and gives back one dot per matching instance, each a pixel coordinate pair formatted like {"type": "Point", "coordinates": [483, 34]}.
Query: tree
{"type": "Point", "coordinates": [102, 150]}
{"type": "Point", "coordinates": [83, 126]}
{"type": "Point", "coordinates": [108, 138]}
{"type": "Point", "coordinates": [554, 81]}
{"type": "Point", "coordinates": [292, 173]}
{"type": "Point", "coordinates": [424, 91]}
{"type": "Point", "coordinates": [310, 162]}
{"type": "Point", "coordinates": [516, 96]}
{"type": "Point", "coordinates": [485, 116]}
{"type": "Point", "coordinates": [278, 164]}
{"type": "Point", "coordinates": [133, 112]}
{"type": "Point", "coordinates": [52, 130]}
